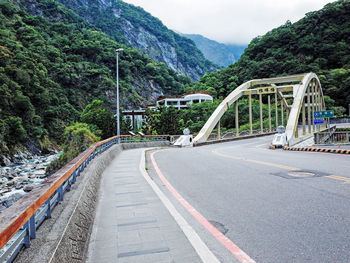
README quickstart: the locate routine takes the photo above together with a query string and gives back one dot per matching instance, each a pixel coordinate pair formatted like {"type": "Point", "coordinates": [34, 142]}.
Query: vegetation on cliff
{"type": "Point", "coordinates": [50, 71]}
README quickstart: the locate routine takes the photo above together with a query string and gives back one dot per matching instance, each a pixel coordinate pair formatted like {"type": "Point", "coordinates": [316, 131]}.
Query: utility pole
{"type": "Point", "coordinates": [117, 75]}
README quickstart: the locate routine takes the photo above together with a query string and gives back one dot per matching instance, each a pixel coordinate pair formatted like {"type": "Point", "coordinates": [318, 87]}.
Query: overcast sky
{"type": "Point", "coordinates": [228, 21]}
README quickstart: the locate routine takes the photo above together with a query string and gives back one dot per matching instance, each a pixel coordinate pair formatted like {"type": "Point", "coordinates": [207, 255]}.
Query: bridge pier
{"type": "Point", "coordinates": [309, 109]}
{"type": "Point", "coordinates": [250, 115]}
{"type": "Point", "coordinates": [303, 117]}
{"type": "Point", "coordinates": [282, 113]}
{"type": "Point", "coordinates": [237, 123]}
{"type": "Point", "coordinates": [276, 109]}
{"type": "Point", "coordinates": [218, 137]}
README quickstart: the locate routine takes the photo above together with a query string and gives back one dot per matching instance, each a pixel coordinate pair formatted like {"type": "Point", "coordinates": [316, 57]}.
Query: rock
{"type": "Point", "coordinates": [5, 190]}
{"type": "Point", "coordinates": [4, 161]}
{"type": "Point", "coordinates": [36, 181]}
{"type": "Point", "coordinates": [28, 188]}
{"type": "Point", "coordinates": [3, 180]}
{"type": "Point", "coordinates": [33, 147]}
{"type": "Point", "coordinates": [11, 182]}
{"type": "Point", "coordinates": [9, 199]}
{"type": "Point", "coordinates": [39, 172]}
{"type": "Point", "coordinates": [23, 179]}
{"type": "Point", "coordinates": [23, 174]}
{"type": "Point", "coordinates": [19, 186]}
{"type": "Point", "coordinates": [40, 167]}
{"type": "Point", "coordinates": [18, 158]}
{"type": "Point", "coordinates": [27, 168]}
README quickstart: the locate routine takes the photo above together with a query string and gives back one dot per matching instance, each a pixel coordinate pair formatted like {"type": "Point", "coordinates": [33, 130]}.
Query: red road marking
{"type": "Point", "coordinates": [226, 242]}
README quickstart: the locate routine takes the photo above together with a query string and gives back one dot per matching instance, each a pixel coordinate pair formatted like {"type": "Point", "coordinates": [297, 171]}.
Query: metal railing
{"type": "Point", "coordinates": [229, 135]}
{"type": "Point", "coordinates": [332, 137]}
{"type": "Point", "coordinates": [17, 229]}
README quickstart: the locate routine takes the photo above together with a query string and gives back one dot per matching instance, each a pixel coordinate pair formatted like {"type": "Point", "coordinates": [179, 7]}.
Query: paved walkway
{"type": "Point", "coordinates": [132, 224]}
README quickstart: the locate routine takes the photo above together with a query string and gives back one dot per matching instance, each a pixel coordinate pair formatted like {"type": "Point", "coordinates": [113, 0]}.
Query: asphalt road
{"type": "Point", "coordinates": [277, 206]}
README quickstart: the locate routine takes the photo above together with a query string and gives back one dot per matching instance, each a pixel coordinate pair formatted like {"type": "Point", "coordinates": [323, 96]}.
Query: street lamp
{"type": "Point", "coordinates": [117, 73]}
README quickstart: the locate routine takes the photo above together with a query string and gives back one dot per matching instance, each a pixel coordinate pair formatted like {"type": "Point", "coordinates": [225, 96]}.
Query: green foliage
{"type": "Point", "coordinates": [77, 138]}
{"type": "Point", "coordinates": [97, 114]}
{"type": "Point", "coordinates": [50, 71]}
{"type": "Point", "coordinates": [165, 120]}
{"type": "Point", "coordinates": [173, 121]}
{"type": "Point", "coordinates": [15, 131]}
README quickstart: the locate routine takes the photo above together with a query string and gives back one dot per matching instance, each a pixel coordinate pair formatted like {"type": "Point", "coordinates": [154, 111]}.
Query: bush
{"type": "Point", "coordinates": [16, 132]}
{"type": "Point", "coordinates": [78, 137]}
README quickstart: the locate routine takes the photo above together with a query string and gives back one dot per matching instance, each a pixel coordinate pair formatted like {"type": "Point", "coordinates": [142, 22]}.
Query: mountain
{"type": "Point", "coordinates": [221, 54]}
{"type": "Point", "coordinates": [131, 25]}
{"type": "Point", "coordinates": [319, 42]}
{"type": "Point", "coordinates": [49, 72]}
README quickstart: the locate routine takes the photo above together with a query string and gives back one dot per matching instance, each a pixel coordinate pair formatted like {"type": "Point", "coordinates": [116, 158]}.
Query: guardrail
{"type": "Point", "coordinates": [17, 229]}
{"type": "Point", "coordinates": [332, 137]}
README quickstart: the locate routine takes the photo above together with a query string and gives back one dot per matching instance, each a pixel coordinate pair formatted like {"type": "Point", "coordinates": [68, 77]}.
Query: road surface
{"type": "Point", "coordinates": [275, 205]}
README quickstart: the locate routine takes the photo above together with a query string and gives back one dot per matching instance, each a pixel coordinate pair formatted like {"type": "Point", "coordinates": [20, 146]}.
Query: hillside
{"type": "Point", "coordinates": [50, 71]}
{"type": "Point", "coordinates": [131, 26]}
{"type": "Point", "coordinates": [320, 42]}
{"type": "Point", "coordinates": [221, 54]}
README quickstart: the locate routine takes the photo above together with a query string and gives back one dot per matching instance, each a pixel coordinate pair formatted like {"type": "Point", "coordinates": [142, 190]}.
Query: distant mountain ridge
{"type": "Point", "coordinates": [319, 42]}
{"type": "Point", "coordinates": [219, 53]}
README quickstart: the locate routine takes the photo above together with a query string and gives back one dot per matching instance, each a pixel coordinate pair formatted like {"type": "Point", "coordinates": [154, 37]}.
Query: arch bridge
{"type": "Point", "coordinates": [297, 97]}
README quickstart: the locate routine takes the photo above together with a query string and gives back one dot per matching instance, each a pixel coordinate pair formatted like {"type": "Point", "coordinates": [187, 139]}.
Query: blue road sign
{"type": "Point", "coordinates": [318, 121]}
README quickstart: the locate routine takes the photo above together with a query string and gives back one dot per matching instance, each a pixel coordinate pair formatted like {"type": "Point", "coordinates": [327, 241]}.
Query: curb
{"type": "Point", "coordinates": [306, 149]}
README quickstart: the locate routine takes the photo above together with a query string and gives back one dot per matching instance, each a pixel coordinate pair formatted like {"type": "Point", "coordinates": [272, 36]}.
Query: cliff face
{"type": "Point", "coordinates": [133, 26]}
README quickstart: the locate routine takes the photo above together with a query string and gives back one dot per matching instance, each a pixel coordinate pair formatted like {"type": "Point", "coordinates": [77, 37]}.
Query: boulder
{"type": "Point", "coordinates": [33, 147]}
{"type": "Point", "coordinates": [4, 161]}
{"type": "Point", "coordinates": [28, 188]}
{"type": "Point", "coordinates": [18, 186]}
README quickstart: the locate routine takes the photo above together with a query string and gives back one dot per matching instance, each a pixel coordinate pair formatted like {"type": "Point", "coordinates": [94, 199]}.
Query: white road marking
{"type": "Point", "coordinates": [201, 248]}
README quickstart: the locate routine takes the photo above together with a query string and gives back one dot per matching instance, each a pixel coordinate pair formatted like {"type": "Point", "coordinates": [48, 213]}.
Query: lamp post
{"type": "Point", "coordinates": [117, 75]}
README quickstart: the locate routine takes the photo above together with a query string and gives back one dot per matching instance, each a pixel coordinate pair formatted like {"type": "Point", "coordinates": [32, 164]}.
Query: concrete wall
{"type": "Point", "coordinates": [65, 237]}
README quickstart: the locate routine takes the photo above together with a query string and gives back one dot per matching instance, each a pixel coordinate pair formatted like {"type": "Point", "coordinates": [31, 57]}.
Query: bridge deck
{"type": "Point", "coordinates": [132, 224]}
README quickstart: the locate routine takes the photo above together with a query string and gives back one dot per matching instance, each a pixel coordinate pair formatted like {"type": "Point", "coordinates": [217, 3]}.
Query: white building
{"type": "Point", "coordinates": [183, 101]}
{"type": "Point", "coordinates": [136, 117]}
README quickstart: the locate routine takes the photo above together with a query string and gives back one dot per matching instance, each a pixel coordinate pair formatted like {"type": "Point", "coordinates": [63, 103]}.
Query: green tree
{"type": "Point", "coordinates": [77, 138]}
{"type": "Point", "coordinates": [97, 114]}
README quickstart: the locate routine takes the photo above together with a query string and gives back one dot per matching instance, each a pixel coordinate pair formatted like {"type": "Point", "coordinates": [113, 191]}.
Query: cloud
{"type": "Point", "coordinates": [228, 21]}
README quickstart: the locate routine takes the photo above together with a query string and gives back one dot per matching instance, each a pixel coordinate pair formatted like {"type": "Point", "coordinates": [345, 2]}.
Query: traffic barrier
{"type": "Point", "coordinates": [18, 224]}
{"type": "Point", "coordinates": [307, 149]}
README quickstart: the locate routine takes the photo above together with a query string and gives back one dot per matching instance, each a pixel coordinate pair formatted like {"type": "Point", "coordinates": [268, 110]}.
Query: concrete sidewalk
{"type": "Point", "coordinates": [131, 223]}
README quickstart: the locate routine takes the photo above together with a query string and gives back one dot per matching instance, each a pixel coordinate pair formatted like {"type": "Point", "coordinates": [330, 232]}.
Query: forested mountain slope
{"type": "Point", "coordinates": [320, 42]}
{"type": "Point", "coordinates": [50, 71]}
{"type": "Point", "coordinates": [132, 26]}
{"type": "Point", "coordinates": [221, 54]}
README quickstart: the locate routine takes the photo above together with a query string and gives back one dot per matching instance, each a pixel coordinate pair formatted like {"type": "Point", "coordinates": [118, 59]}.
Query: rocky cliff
{"type": "Point", "coordinates": [132, 25]}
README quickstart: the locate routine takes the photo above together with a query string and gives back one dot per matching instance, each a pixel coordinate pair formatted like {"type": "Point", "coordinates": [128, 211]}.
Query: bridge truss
{"type": "Point", "coordinates": [297, 97]}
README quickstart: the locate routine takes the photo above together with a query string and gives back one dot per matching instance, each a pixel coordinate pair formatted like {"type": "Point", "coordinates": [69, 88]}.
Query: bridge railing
{"type": "Point", "coordinates": [19, 227]}
{"type": "Point", "coordinates": [233, 134]}
{"type": "Point", "coordinates": [332, 137]}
